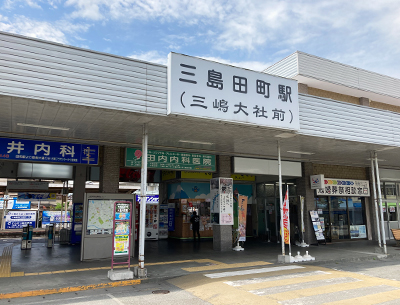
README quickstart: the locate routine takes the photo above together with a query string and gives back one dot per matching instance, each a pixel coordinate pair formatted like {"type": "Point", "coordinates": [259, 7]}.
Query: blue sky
{"type": "Point", "coordinates": [248, 33]}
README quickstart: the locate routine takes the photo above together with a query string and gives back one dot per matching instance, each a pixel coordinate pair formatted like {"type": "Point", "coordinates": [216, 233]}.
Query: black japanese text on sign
{"type": "Point", "coordinates": [201, 88]}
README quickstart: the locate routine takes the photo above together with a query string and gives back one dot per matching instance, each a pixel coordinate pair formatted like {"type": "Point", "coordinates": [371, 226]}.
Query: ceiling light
{"type": "Point", "coordinates": [379, 160]}
{"type": "Point", "coordinates": [285, 135]}
{"type": "Point", "coordinates": [195, 142]}
{"type": "Point", "coordinates": [42, 126]}
{"type": "Point", "coordinates": [300, 152]}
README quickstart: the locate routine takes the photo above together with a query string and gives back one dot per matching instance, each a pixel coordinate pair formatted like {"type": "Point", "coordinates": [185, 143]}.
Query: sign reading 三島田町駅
{"type": "Point", "coordinates": [49, 152]}
{"type": "Point", "coordinates": [170, 160]}
{"type": "Point", "coordinates": [344, 187]}
{"type": "Point", "coordinates": [210, 90]}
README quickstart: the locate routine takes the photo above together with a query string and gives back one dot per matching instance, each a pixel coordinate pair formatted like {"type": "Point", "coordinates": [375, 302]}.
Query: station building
{"type": "Point", "coordinates": [54, 95]}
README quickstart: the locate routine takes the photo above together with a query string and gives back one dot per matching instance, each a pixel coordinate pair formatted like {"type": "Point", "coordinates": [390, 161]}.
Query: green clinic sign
{"type": "Point", "coordinates": [170, 160]}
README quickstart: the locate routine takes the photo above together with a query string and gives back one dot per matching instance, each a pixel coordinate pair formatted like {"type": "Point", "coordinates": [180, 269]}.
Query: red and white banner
{"type": "Point", "coordinates": [285, 216]}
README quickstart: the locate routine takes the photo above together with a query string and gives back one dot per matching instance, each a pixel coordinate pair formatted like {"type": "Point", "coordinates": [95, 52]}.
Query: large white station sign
{"type": "Point", "coordinates": [206, 89]}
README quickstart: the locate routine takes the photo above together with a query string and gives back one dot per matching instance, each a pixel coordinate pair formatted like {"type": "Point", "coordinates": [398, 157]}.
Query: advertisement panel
{"type": "Point", "coordinates": [14, 204]}
{"type": "Point", "coordinates": [122, 216]}
{"type": "Point", "coordinates": [54, 217]}
{"type": "Point", "coordinates": [19, 219]}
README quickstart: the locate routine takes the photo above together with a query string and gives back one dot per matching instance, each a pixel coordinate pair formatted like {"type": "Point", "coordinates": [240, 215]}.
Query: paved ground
{"type": "Point", "coordinates": [182, 269]}
{"type": "Point", "coordinates": [292, 284]}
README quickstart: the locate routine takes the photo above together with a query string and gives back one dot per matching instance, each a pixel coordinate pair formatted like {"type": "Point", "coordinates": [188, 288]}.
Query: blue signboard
{"type": "Point", "coordinates": [53, 152]}
{"type": "Point", "coordinates": [150, 199]}
{"type": "Point", "coordinates": [19, 219]}
{"type": "Point", "coordinates": [14, 204]}
{"type": "Point", "coordinates": [171, 218]}
{"type": "Point", "coordinates": [21, 205]}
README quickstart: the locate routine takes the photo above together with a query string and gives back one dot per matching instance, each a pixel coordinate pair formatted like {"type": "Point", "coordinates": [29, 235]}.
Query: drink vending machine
{"type": "Point", "coordinates": [152, 221]}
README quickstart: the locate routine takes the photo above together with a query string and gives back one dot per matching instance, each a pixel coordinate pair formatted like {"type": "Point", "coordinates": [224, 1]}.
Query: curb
{"type": "Point", "coordinates": [34, 293]}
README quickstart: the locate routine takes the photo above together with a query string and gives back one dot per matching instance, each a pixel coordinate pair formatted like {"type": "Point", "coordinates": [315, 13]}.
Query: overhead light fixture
{"type": "Point", "coordinates": [300, 152]}
{"type": "Point", "coordinates": [285, 135]}
{"type": "Point", "coordinates": [379, 160]}
{"type": "Point", "coordinates": [42, 126]}
{"type": "Point", "coordinates": [195, 142]}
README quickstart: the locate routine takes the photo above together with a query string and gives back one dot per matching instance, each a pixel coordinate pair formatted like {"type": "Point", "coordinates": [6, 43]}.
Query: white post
{"type": "Point", "coordinates": [5, 203]}
{"type": "Point", "coordinates": [280, 197]}
{"type": "Point", "coordinates": [375, 201]}
{"type": "Point", "coordinates": [302, 219]}
{"type": "Point", "coordinates": [378, 182]}
{"type": "Point", "coordinates": [143, 201]}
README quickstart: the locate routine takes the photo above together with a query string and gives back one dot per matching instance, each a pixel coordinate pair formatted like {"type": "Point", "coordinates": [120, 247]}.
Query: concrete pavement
{"type": "Point", "coordinates": [60, 268]}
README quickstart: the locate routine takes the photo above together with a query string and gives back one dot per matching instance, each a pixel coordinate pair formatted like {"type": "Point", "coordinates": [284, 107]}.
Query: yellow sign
{"type": "Point", "coordinates": [168, 175]}
{"type": "Point", "coordinates": [238, 177]}
{"type": "Point", "coordinates": [195, 175]}
{"type": "Point", "coordinates": [52, 196]}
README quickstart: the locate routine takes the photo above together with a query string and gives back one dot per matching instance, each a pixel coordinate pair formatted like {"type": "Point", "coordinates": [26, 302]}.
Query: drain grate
{"type": "Point", "coordinates": [160, 292]}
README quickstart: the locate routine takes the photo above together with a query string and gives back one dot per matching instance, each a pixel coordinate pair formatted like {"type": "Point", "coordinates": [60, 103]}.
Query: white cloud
{"type": "Point", "coordinates": [41, 29]}
{"type": "Point", "coordinates": [9, 4]}
{"type": "Point", "coordinates": [151, 56]}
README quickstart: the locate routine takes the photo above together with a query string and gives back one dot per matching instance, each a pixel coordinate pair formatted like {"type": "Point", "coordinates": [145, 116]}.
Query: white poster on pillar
{"type": "Point", "coordinates": [221, 190]}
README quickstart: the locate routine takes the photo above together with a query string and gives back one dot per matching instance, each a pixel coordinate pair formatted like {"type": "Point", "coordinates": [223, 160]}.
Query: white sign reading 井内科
{"type": "Point", "coordinates": [207, 89]}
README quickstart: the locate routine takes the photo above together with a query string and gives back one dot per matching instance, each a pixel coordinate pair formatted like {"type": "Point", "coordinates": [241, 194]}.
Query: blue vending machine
{"type": "Point", "coordinates": [77, 223]}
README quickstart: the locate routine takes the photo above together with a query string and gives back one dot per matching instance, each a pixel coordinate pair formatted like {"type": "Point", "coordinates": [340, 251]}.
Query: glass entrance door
{"type": "Point", "coordinates": [339, 225]}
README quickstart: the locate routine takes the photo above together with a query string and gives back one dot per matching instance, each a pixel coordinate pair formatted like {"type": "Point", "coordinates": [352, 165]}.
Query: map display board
{"type": "Point", "coordinates": [100, 216]}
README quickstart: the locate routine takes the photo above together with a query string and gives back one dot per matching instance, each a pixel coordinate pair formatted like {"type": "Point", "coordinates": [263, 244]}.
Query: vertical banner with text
{"type": "Point", "coordinates": [242, 211]}
{"type": "Point", "coordinates": [286, 222]}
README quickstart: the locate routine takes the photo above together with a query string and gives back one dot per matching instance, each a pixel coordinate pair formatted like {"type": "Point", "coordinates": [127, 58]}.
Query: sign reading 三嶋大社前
{"type": "Point", "coordinates": [170, 160]}
{"type": "Point", "coordinates": [344, 187]}
{"type": "Point", "coordinates": [207, 89]}
{"type": "Point", "coordinates": [49, 152]}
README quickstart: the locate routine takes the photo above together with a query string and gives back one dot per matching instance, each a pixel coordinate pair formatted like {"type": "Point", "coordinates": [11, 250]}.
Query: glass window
{"type": "Point", "coordinates": [321, 203]}
{"type": "Point", "coordinates": [339, 218]}
{"type": "Point", "coordinates": [391, 208]}
{"type": "Point", "coordinates": [390, 190]}
{"type": "Point", "coordinates": [356, 210]}
{"type": "Point", "coordinates": [292, 190]}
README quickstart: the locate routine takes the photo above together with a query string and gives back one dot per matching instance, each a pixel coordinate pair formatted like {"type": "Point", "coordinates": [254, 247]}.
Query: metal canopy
{"type": "Point", "coordinates": [93, 125]}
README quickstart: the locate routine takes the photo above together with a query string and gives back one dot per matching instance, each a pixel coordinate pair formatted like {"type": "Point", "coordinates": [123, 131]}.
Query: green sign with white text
{"type": "Point", "coordinates": [170, 160]}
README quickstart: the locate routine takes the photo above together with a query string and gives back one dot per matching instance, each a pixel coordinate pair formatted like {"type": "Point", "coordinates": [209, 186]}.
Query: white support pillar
{"type": "Point", "coordinates": [141, 271]}
{"type": "Point", "coordinates": [280, 197]}
{"type": "Point", "coordinates": [378, 182]}
{"type": "Point", "coordinates": [375, 201]}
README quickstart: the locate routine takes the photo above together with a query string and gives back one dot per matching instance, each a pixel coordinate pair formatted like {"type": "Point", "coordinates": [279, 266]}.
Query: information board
{"type": "Point", "coordinates": [100, 216]}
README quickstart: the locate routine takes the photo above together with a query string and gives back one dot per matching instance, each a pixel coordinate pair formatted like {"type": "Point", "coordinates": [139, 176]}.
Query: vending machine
{"type": "Point", "coordinates": [152, 216]}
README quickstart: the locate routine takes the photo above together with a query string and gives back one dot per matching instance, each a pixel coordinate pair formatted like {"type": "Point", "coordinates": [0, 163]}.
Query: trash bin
{"type": "Point", "coordinates": [65, 235]}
